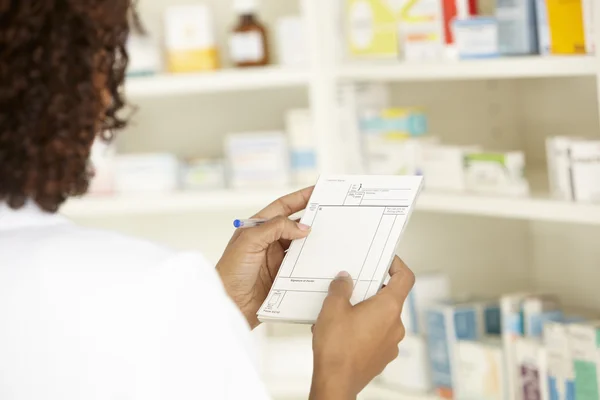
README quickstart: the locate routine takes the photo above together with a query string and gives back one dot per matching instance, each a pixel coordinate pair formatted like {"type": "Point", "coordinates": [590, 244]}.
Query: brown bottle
{"type": "Point", "coordinates": [248, 44]}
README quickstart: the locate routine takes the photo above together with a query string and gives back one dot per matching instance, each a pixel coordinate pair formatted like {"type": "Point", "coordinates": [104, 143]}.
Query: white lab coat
{"type": "Point", "coordinates": [87, 314]}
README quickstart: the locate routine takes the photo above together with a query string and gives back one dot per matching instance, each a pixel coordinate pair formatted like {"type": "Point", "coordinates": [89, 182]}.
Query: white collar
{"type": "Point", "coordinates": [29, 216]}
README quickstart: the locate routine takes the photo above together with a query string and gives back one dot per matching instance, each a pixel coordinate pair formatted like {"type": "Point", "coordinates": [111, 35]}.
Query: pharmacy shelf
{"type": "Point", "coordinates": [234, 80]}
{"type": "Point", "coordinates": [534, 209]}
{"type": "Point", "coordinates": [499, 68]}
{"type": "Point", "coordinates": [171, 203]}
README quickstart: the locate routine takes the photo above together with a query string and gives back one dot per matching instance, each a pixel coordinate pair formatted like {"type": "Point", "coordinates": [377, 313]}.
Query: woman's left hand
{"type": "Point", "coordinates": [253, 257]}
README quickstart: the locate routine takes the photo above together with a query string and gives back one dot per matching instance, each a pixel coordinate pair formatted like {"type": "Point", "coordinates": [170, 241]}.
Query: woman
{"type": "Point", "coordinates": [86, 314]}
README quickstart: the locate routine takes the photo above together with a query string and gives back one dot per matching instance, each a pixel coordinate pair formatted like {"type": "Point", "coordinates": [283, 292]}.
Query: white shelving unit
{"type": "Point", "coordinates": [501, 68]}
{"type": "Point", "coordinates": [531, 209]}
{"type": "Point", "coordinates": [176, 203]}
{"type": "Point", "coordinates": [215, 82]}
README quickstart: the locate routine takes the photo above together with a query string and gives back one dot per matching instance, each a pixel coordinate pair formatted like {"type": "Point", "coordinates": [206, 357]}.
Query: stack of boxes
{"type": "Point", "coordinates": [426, 30]}
{"type": "Point", "coordinates": [449, 324]}
{"type": "Point", "coordinates": [574, 169]}
{"type": "Point", "coordinates": [521, 347]}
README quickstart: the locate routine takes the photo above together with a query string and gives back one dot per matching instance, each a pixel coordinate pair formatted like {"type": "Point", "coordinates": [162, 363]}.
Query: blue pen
{"type": "Point", "coordinates": [248, 223]}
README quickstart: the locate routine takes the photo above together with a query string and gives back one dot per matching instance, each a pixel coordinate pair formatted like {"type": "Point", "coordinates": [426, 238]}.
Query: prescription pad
{"type": "Point", "coordinates": [356, 222]}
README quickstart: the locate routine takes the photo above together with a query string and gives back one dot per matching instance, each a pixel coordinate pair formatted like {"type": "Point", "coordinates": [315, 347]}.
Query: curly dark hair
{"type": "Point", "coordinates": [62, 68]}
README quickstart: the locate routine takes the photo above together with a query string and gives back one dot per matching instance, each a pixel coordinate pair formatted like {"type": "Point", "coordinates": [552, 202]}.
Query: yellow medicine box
{"type": "Point", "coordinates": [190, 39]}
{"type": "Point", "coordinates": [565, 21]}
{"type": "Point", "coordinates": [372, 28]}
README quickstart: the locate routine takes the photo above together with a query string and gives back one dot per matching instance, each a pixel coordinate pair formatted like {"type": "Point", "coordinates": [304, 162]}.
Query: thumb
{"type": "Point", "coordinates": [276, 229]}
{"type": "Point", "coordinates": [342, 286]}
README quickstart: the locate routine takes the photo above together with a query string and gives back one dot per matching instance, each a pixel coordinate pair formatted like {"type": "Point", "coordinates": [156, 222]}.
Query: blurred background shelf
{"type": "Point", "coordinates": [500, 68]}
{"type": "Point", "coordinates": [174, 203]}
{"type": "Point", "coordinates": [534, 209]}
{"type": "Point", "coordinates": [218, 81]}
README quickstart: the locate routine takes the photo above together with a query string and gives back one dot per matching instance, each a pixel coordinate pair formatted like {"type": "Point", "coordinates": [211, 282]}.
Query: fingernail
{"type": "Point", "coordinates": [303, 227]}
{"type": "Point", "coordinates": [342, 275]}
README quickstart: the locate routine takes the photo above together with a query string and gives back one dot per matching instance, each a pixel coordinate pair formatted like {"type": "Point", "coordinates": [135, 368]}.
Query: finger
{"type": "Point", "coordinates": [276, 229]}
{"type": "Point", "coordinates": [287, 205]}
{"type": "Point", "coordinates": [401, 282]}
{"type": "Point", "coordinates": [397, 266]}
{"type": "Point", "coordinates": [286, 243]}
{"type": "Point", "coordinates": [342, 286]}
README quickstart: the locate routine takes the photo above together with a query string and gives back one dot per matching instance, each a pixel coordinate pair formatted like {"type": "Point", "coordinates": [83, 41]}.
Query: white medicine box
{"type": "Point", "coordinates": [481, 370]}
{"type": "Point", "coordinates": [429, 289]}
{"type": "Point", "coordinates": [443, 167]}
{"type": "Point", "coordinates": [585, 165]}
{"type": "Point", "coordinates": [147, 173]}
{"type": "Point", "coordinates": [259, 159]}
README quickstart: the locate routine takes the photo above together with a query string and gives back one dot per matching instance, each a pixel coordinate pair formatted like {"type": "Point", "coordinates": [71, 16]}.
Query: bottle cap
{"type": "Point", "coordinates": [245, 6]}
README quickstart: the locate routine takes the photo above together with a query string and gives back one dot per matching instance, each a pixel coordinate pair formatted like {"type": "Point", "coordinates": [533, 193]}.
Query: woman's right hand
{"type": "Point", "coordinates": [352, 345]}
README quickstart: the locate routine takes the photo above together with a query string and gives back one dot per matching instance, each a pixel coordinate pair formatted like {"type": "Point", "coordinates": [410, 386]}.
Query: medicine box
{"type": "Point", "coordinates": [532, 369]}
{"type": "Point", "coordinates": [565, 19]}
{"type": "Point", "coordinates": [559, 167]}
{"type": "Point", "coordinates": [396, 156]}
{"type": "Point", "coordinates": [453, 10]}
{"type": "Point", "coordinates": [585, 341]}
{"type": "Point", "coordinates": [190, 38]}
{"type": "Point", "coordinates": [144, 56]}
{"type": "Point", "coordinates": [512, 329]}
{"type": "Point", "coordinates": [585, 170]}
{"type": "Point", "coordinates": [147, 173]}
{"type": "Point", "coordinates": [543, 27]}
{"type": "Point", "coordinates": [410, 371]}
{"type": "Point", "coordinates": [443, 167]}
{"type": "Point", "coordinates": [259, 159]}
{"type": "Point", "coordinates": [303, 149]}
{"type": "Point", "coordinates": [476, 37]}
{"type": "Point", "coordinates": [203, 174]}
{"type": "Point", "coordinates": [395, 123]}
{"type": "Point", "coordinates": [561, 373]}
{"type": "Point", "coordinates": [357, 100]}
{"type": "Point", "coordinates": [422, 30]}
{"type": "Point", "coordinates": [291, 40]}
{"type": "Point", "coordinates": [448, 323]}
{"type": "Point", "coordinates": [517, 32]}
{"type": "Point", "coordinates": [372, 28]}
{"type": "Point", "coordinates": [496, 173]}
{"type": "Point", "coordinates": [537, 311]}
{"type": "Point", "coordinates": [480, 366]}
{"type": "Point", "coordinates": [429, 289]}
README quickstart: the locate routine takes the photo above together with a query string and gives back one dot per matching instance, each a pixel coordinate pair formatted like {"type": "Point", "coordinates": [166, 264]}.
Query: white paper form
{"type": "Point", "coordinates": [357, 222]}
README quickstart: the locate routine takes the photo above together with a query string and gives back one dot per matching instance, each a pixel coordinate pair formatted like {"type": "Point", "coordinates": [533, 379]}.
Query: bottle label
{"type": "Point", "coordinates": [247, 47]}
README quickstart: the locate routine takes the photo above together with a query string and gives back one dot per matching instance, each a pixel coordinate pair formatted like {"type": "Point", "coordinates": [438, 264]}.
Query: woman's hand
{"type": "Point", "coordinates": [253, 257]}
{"type": "Point", "coordinates": [352, 345]}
